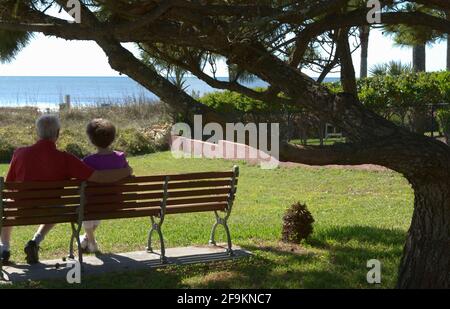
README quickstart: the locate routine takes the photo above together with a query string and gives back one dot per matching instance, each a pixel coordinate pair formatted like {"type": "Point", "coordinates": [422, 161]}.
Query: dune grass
{"type": "Point", "coordinates": [360, 215]}
{"type": "Point", "coordinates": [133, 119]}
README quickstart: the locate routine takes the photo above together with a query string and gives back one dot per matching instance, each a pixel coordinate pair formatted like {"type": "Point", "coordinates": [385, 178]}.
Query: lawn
{"type": "Point", "coordinates": [360, 215]}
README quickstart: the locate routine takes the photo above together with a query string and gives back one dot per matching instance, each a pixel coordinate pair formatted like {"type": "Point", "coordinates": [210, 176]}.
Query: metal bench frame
{"type": "Point", "coordinates": [224, 220]}
{"type": "Point", "coordinates": [156, 224]}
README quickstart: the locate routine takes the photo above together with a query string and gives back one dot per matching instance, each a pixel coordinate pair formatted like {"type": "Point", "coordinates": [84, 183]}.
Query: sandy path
{"type": "Point", "coordinates": [364, 167]}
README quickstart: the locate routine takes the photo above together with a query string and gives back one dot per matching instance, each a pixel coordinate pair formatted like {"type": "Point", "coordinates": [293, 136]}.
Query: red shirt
{"type": "Point", "coordinates": [43, 162]}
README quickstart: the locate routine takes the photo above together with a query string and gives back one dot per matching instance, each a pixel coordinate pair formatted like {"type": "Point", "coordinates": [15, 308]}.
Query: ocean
{"type": "Point", "coordinates": [48, 92]}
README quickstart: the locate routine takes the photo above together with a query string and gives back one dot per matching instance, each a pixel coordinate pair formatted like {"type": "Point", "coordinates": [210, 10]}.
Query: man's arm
{"type": "Point", "coordinates": [109, 176]}
{"type": "Point", "coordinates": [79, 170]}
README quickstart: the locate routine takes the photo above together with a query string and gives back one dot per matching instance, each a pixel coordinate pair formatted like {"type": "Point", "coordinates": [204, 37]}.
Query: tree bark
{"type": "Point", "coordinates": [348, 76]}
{"type": "Point", "coordinates": [448, 52]}
{"type": "Point", "coordinates": [419, 58]}
{"type": "Point", "coordinates": [364, 33]}
{"type": "Point", "coordinates": [448, 44]}
{"type": "Point", "coordinates": [426, 256]}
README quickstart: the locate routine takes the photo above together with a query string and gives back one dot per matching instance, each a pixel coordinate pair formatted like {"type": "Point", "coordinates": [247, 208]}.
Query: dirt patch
{"type": "Point", "coordinates": [363, 167]}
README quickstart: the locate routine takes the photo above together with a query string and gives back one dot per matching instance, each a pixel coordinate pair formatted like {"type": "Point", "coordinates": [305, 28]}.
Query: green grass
{"type": "Point", "coordinates": [360, 215]}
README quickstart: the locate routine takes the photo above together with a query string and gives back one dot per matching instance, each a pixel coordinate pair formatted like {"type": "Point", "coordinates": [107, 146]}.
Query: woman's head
{"type": "Point", "coordinates": [101, 132]}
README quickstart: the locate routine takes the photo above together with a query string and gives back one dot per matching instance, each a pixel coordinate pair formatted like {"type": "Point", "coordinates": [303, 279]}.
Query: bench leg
{"type": "Point", "coordinates": [2, 276]}
{"type": "Point", "coordinates": [76, 236]}
{"type": "Point", "coordinates": [72, 238]}
{"type": "Point", "coordinates": [212, 237]}
{"type": "Point", "coordinates": [156, 227]}
{"type": "Point", "coordinates": [1, 260]}
{"type": "Point", "coordinates": [223, 222]}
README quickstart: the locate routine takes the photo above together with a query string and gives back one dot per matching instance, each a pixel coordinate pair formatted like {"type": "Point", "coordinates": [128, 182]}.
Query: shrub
{"type": "Point", "coordinates": [134, 142]}
{"type": "Point", "coordinates": [75, 142]}
{"type": "Point", "coordinates": [444, 122]}
{"type": "Point", "coordinates": [230, 102]}
{"type": "Point", "coordinates": [76, 150]}
{"type": "Point", "coordinates": [6, 150]}
{"type": "Point", "coordinates": [297, 223]}
{"type": "Point", "coordinates": [404, 98]}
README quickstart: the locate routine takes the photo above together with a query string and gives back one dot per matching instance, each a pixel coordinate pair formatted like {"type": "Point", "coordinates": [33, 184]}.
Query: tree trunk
{"type": "Point", "coordinates": [448, 45]}
{"type": "Point", "coordinates": [448, 52]}
{"type": "Point", "coordinates": [419, 58]}
{"type": "Point", "coordinates": [364, 33]}
{"type": "Point", "coordinates": [426, 257]}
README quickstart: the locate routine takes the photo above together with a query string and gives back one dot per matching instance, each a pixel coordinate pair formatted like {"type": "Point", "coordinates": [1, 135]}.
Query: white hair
{"type": "Point", "coordinates": [48, 126]}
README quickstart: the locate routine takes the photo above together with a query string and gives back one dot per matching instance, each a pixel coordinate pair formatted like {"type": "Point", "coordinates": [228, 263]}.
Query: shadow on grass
{"type": "Point", "coordinates": [336, 258]}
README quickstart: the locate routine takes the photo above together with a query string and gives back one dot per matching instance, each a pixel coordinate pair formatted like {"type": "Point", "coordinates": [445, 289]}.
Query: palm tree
{"type": "Point", "coordinates": [419, 57]}
{"type": "Point", "coordinates": [364, 33]}
{"type": "Point", "coordinates": [448, 44]}
{"type": "Point", "coordinates": [392, 68]}
{"type": "Point", "coordinates": [11, 43]}
{"type": "Point", "coordinates": [417, 37]}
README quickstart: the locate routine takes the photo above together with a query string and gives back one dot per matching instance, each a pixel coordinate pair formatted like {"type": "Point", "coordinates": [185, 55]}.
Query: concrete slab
{"type": "Point", "coordinates": [104, 263]}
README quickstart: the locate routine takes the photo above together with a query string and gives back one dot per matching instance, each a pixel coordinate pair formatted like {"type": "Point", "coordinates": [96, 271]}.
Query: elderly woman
{"type": "Point", "coordinates": [44, 162]}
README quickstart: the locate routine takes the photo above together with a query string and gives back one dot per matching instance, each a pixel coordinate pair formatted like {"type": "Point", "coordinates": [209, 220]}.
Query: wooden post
{"type": "Point", "coordinates": [67, 101]}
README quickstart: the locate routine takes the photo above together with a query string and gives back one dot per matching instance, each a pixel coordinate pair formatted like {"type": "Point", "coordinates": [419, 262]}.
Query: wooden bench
{"type": "Point", "coordinates": [32, 203]}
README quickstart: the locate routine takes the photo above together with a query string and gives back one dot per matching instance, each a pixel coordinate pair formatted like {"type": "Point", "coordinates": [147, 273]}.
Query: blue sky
{"type": "Point", "coordinates": [49, 56]}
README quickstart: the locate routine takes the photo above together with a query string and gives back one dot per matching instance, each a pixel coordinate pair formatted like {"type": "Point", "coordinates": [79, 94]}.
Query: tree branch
{"type": "Point", "coordinates": [148, 18]}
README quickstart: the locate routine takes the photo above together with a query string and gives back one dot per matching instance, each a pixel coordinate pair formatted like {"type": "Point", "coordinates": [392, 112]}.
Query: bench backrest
{"type": "Point", "coordinates": [32, 203]}
{"type": "Point", "coordinates": [144, 196]}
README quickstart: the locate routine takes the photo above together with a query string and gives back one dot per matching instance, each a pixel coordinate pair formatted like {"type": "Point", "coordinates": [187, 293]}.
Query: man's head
{"type": "Point", "coordinates": [101, 132]}
{"type": "Point", "coordinates": [48, 127]}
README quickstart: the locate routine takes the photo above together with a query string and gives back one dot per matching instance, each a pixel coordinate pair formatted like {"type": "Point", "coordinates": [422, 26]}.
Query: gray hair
{"type": "Point", "coordinates": [48, 126]}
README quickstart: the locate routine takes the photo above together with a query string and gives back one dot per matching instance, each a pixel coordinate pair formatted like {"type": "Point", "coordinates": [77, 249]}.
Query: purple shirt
{"type": "Point", "coordinates": [100, 162]}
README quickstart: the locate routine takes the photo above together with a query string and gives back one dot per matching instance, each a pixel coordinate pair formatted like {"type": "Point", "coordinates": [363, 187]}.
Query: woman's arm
{"type": "Point", "coordinates": [110, 176]}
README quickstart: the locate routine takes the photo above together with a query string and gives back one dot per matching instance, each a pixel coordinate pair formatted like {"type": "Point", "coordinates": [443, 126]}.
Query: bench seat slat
{"type": "Point", "coordinates": [195, 208]}
{"type": "Point", "coordinates": [123, 213]}
{"type": "Point", "coordinates": [136, 204]}
{"type": "Point", "coordinates": [33, 203]}
{"type": "Point", "coordinates": [36, 212]}
{"type": "Point", "coordinates": [172, 177]}
{"type": "Point", "coordinates": [41, 194]}
{"type": "Point", "coordinates": [156, 187]}
{"type": "Point", "coordinates": [35, 185]}
{"type": "Point", "coordinates": [153, 211]}
{"type": "Point", "coordinates": [39, 220]}
{"type": "Point", "coordinates": [114, 198]}
{"type": "Point", "coordinates": [188, 193]}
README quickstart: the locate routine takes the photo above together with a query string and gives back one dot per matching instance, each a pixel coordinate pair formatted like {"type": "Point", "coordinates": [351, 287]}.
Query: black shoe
{"type": "Point", "coordinates": [32, 252]}
{"type": "Point", "coordinates": [5, 257]}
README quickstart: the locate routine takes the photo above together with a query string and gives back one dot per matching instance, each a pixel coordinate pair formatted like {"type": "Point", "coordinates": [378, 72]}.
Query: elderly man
{"type": "Point", "coordinates": [43, 162]}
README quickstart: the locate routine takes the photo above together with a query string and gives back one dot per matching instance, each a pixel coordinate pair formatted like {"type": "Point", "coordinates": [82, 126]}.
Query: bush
{"type": "Point", "coordinates": [6, 150]}
{"type": "Point", "coordinates": [75, 142]}
{"type": "Point", "coordinates": [76, 150]}
{"type": "Point", "coordinates": [297, 223]}
{"type": "Point", "coordinates": [134, 142]}
{"type": "Point", "coordinates": [404, 98]}
{"type": "Point", "coordinates": [444, 122]}
{"type": "Point", "coordinates": [230, 102]}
